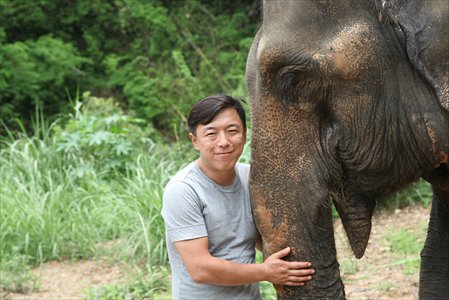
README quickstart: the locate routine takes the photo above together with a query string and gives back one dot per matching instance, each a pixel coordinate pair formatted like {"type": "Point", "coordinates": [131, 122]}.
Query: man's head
{"type": "Point", "coordinates": [218, 132]}
{"type": "Point", "coordinates": [205, 110]}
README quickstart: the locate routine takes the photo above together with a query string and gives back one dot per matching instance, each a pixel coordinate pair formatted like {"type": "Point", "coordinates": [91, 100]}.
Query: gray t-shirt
{"type": "Point", "coordinates": [194, 206]}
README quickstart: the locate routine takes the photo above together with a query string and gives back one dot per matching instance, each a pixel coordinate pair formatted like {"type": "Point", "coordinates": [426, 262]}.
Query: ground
{"type": "Point", "coordinates": [380, 274]}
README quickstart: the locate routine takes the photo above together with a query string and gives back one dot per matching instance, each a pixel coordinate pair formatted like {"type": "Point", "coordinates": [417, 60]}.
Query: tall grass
{"type": "Point", "coordinates": [49, 213]}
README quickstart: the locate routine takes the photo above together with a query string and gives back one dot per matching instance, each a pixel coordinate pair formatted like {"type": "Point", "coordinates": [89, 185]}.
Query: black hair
{"type": "Point", "coordinates": [205, 110]}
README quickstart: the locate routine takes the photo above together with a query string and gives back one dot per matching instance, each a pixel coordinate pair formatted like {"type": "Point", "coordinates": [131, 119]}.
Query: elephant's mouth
{"type": "Point", "coordinates": [355, 214]}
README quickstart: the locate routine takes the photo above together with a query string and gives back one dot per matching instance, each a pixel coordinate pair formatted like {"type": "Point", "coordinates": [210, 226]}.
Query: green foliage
{"type": "Point", "coordinates": [162, 87]}
{"type": "Point", "coordinates": [36, 71]}
{"type": "Point", "coordinates": [99, 138]}
{"type": "Point", "coordinates": [155, 57]}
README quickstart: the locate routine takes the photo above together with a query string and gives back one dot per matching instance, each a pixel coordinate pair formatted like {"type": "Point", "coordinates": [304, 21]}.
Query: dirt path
{"type": "Point", "coordinates": [378, 275]}
{"type": "Point", "coordinates": [71, 280]}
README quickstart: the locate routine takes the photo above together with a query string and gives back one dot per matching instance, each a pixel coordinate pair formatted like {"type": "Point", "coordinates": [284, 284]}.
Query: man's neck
{"type": "Point", "coordinates": [223, 178]}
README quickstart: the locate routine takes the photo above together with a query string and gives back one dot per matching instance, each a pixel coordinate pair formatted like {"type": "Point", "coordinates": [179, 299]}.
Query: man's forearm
{"type": "Point", "coordinates": [205, 268]}
{"type": "Point", "coordinates": [223, 272]}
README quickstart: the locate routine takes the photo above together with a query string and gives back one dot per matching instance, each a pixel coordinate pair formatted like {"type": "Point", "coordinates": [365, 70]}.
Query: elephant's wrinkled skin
{"type": "Point", "coordinates": [349, 101]}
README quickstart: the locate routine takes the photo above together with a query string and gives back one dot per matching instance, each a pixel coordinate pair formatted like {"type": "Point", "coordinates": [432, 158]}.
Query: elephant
{"type": "Point", "coordinates": [349, 102]}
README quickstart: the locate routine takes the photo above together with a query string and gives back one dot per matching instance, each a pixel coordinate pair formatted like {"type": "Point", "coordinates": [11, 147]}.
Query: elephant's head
{"type": "Point", "coordinates": [349, 101]}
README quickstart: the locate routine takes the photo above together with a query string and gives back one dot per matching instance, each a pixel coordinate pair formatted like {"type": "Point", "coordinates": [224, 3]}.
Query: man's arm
{"type": "Point", "coordinates": [205, 268]}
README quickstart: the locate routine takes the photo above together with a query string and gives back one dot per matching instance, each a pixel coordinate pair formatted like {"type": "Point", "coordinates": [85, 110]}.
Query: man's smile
{"type": "Point", "coordinates": [224, 153]}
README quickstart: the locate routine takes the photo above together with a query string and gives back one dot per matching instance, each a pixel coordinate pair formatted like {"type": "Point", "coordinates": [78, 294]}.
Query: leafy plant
{"type": "Point", "coordinates": [99, 138]}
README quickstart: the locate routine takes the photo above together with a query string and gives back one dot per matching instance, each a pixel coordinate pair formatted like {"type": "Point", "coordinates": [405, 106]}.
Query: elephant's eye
{"type": "Point", "coordinates": [299, 83]}
{"type": "Point", "coordinates": [289, 85]}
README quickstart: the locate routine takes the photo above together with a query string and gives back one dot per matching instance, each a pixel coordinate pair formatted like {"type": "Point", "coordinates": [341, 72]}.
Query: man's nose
{"type": "Point", "coordinates": [223, 139]}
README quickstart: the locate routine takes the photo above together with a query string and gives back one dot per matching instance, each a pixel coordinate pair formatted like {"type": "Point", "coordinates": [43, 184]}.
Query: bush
{"type": "Point", "coordinates": [36, 72]}
{"type": "Point", "coordinates": [100, 139]}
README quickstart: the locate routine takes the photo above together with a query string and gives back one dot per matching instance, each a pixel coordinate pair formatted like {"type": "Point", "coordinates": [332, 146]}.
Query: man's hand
{"type": "Point", "coordinates": [283, 272]}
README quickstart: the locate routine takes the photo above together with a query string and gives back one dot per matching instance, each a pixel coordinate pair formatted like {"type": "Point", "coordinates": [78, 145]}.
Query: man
{"type": "Point", "coordinates": [210, 233]}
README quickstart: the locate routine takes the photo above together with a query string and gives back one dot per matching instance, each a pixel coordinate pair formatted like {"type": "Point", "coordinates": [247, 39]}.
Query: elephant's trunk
{"type": "Point", "coordinates": [289, 188]}
{"type": "Point", "coordinates": [306, 226]}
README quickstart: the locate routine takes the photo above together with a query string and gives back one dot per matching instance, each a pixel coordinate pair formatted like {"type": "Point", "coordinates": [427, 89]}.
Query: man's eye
{"type": "Point", "coordinates": [210, 134]}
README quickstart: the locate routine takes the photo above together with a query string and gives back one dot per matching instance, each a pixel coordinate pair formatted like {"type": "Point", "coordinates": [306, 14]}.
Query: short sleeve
{"type": "Point", "coordinates": [182, 213]}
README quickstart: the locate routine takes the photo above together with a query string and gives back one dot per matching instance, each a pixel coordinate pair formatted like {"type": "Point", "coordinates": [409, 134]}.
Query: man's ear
{"type": "Point", "coordinates": [194, 139]}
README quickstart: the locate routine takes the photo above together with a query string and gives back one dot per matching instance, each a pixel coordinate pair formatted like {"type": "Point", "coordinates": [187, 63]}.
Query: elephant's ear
{"type": "Point", "coordinates": [422, 28]}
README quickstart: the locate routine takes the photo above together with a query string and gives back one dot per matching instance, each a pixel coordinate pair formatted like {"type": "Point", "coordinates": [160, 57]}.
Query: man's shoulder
{"type": "Point", "coordinates": [181, 186]}
{"type": "Point", "coordinates": [182, 175]}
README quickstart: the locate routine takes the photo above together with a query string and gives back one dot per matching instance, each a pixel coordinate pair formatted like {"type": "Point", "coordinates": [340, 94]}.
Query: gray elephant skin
{"type": "Point", "coordinates": [349, 102]}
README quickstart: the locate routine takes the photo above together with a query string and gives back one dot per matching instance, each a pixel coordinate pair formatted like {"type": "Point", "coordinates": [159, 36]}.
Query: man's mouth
{"type": "Point", "coordinates": [224, 153]}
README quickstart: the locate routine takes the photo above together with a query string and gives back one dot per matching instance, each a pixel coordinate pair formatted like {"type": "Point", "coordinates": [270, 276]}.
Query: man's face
{"type": "Point", "coordinates": [220, 142]}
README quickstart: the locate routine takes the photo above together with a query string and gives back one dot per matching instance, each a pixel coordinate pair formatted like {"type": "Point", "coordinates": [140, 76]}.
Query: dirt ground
{"type": "Point", "coordinates": [378, 275]}
{"type": "Point", "coordinates": [71, 280]}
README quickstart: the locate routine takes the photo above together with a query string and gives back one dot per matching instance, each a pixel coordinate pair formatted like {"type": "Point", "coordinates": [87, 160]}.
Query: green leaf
{"type": "Point", "coordinates": [70, 142]}
{"type": "Point", "coordinates": [123, 148]}
{"type": "Point", "coordinates": [99, 138]}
